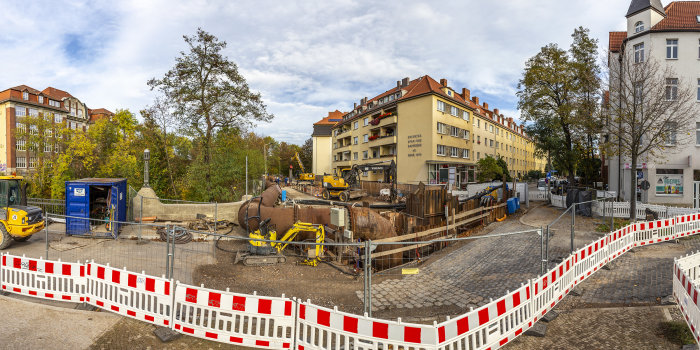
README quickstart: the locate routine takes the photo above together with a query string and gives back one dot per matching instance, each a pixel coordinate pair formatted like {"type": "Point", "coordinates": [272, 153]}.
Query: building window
{"type": "Point", "coordinates": [20, 112]}
{"type": "Point", "coordinates": [33, 112]}
{"type": "Point", "coordinates": [41, 99]}
{"type": "Point", "coordinates": [478, 139]}
{"type": "Point", "coordinates": [354, 156]}
{"type": "Point", "coordinates": [478, 155]}
{"type": "Point", "coordinates": [72, 111]}
{"type": "Point", "coordinates": [21, 162]}
{"type": "Point", "coordinates": [491, 143]}
{"type": "Point", "coordinates": [465, 115]}
{"type": "Point", "coordinates": [47, 146]}
{"type": "Point", "coordinates": [454, 111]}
{"type": "Point", "coordinates": [365, 154]}
{"type": "Point", "coordinates": [454, 152]}
{"type": "Point", "coordinates": [672, 49]}
{"type": "Point", "coordinates": [698, 89]}
{"type": "Point", "coordinates": [53, 103]}
{"type": "Point", "coordinates": [57, 148]}
{"type": "Point", "coordinates": [671, 89]}
{"type": "Point", "coordinates": [638, 91]}
{"type": "Point", "coordinates": [365, 138]}
{"type": "Point", "coordinates": [21, 145]}
{"type": "Point", "coordinates": [697, 133]}
{"type": "Point", "coordinates": [465, 153]}
{"type": "Point", "coordinates": [20, 127]}
{"type": "Point", "coordinates": [491, 127]}
{"type": "Point", "coordinates": [639, 53]}
{"type": "Point", "coordinates": [25, 96]}
{"type": "Point", "coordinates": [440, 106]}
{"type": "Point", "coordinates": [32, 162]}
{"type": "Point", "coordinates": [441, 128]}
{"type": "Point", "coordinates": [478, 122]}
{"type": "Point", "coordinates": [440, 150]}
{"type": "Point", "coordinates": [365, 121]}
{"type": "Point", "coordinates": [356, 125]}
{"type": "Point", "coordinates": [670, 133]}
{"type": "Point", "coordinates": [496, 144]}
{"type": "Point", "coordinates": [638, 27]}
{"type": "Point", "coordinates": [466, 134]}
{"type": "Point", "coordinates": [355, 140]}
{"type": "Point", "coordinates": [669, 182]}
{"type": "Point", "coordinates": [34, 130]}
{"type": "Point", "coordinates": [335, 157]}
{"type": "Point", "coordinates": [80, 115]}
{"type": "Point", "coordinates": [454, 131]}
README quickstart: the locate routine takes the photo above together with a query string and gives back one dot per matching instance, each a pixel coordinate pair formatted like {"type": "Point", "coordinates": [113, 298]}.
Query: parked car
{"type": "Point", "coordinates": [542, 184]}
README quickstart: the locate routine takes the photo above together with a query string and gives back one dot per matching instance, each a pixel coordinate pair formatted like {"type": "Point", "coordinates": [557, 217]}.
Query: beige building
{"type": "Point", "coordinates": [323, 143]}
{"type": "Point", "coordinates": [21, 101]}
{"type": "Point", "coordinates": [433, 133]}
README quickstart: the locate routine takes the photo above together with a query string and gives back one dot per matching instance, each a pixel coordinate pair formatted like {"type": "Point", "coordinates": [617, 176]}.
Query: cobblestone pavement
{"type": "Point", "coordinates": [481, 269]}
{"type": "Point", "coordinates": [608, 328]}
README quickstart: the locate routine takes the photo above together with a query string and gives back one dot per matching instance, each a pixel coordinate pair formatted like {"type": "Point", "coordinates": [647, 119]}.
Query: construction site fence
{"type": "Point", "coordinates": [289, 323]}
{"type": "Point", "coordinates": [607, 207]}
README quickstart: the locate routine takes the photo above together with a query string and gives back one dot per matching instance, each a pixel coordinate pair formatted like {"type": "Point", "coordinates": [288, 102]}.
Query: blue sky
{"type": "Point", "coordinates": [305, 57]}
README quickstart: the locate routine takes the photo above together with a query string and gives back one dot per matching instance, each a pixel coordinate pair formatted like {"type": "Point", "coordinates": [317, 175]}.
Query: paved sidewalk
{"type": "Point", "coordinates": [32, 325]}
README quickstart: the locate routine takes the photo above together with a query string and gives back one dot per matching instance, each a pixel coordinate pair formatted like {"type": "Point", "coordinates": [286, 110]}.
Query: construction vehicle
{"type": "Point", "coordinates": [335, 186]}
{"type": "Point", "coordinates": [261, 252]}
{"type": "Point", "coordinates": [18, 221]}
{"type": "Point", "coordinates": [303, 175]}
{"type": "Point", "coordinates": [352, 175]}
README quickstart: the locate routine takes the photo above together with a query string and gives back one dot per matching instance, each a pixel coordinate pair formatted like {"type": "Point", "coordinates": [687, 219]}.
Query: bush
{"type": "Point", "coordinates": [677, 332]}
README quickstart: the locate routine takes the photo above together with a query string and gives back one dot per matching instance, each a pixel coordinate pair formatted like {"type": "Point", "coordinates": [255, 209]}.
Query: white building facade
{"type": "Point", "coordinates": [671, 36]}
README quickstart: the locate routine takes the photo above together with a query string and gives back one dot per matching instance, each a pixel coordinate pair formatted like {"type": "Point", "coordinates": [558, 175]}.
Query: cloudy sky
{"type": "Point", "coordinates": [305, 57]}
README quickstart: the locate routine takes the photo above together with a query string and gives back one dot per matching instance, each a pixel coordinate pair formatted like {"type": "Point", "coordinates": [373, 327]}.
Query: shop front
{"type": "Point", "coordinates": [457, 175]}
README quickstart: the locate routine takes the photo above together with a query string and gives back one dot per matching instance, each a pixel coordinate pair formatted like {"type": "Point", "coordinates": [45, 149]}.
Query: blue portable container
{"type": "Point", "coordinates": [517, 203]}
{"type": "Point", "coordinates": [284, 195]}
{"type": "Point", "coordinates": [510, 204]}
{"type": "Point", "coordinates": [94, 206]}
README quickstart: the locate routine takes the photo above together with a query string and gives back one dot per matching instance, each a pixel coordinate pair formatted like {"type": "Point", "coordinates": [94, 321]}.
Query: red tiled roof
{"type": "Point", "coordinates": [615, 39]}
{"type": "Point", "coordinates": [56, 93]}
{"type": "Point", "coordinates": [680, 15]}
{"type": "Point", "coordinates": [331, 119]}
{"type": "Point", "coordinates": [99, 111]}
{"type": "Point", "coordinates": [25, 87]}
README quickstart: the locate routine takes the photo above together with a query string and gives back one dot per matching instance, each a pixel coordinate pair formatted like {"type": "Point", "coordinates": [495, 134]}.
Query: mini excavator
{"type": "Point", "coordinates": [261, 253]}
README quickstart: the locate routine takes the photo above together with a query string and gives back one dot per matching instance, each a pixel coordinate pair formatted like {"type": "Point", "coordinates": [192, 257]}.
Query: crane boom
{"type": "Point", "coordinates": [301, 166]}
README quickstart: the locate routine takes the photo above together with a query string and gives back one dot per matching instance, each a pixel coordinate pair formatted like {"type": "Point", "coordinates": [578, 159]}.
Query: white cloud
{"type": "Point", "coordinates": [305, 57]}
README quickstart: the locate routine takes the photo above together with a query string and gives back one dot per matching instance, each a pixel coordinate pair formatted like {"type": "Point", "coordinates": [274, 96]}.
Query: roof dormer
{"type": "Point", "coordinates": [643, 14]}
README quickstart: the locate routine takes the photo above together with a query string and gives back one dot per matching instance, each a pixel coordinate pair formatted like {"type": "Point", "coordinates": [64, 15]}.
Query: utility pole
{"type": "Point", "coordinates": [246, 175]}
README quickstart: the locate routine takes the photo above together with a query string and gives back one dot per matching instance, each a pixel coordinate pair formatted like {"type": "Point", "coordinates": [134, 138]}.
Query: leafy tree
{"type": "Point", "coordinates": [645, 115]}
{"type": "Point", "coordinates": [504, 166]}
{"type": "Point", "coordinates": [489, 169]}
{"type": "Point", "coordinates": [209, 94]}
{"type": "Point", "coordinates": [306, 153]}
{"type": "Point", "coordinates": [44, 139]}
{"type": "Point", "coordinates": [558, 93]}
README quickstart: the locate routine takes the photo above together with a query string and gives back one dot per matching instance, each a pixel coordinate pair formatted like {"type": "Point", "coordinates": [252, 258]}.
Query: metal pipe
{"type": "Point", "coordinates": [167, 252]}
{"type": "Point", "coordinates": [216, 214]}
{"type": "Point", "coordinates": [612, 216]}
{"type": "Point", "coordinates": [369, 282]}
{"type": "Point", "coordinates": [542, 250]}
{"type": "Point", "coordinates": [546, 251]}
{"type": "Point", "coordinates": [140, 218]}
{"type": "Point", "coordinates": [365, 299]}
{"type": "Point", "coordinates": [46, 230]}
{"type": "Point", "coordinates": [172, 255]}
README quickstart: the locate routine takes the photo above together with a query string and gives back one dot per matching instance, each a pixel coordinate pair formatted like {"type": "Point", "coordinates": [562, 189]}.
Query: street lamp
{"type": "Point", "coordinates": [146, 158]}
{"type": "Point", "coordinates": [265, 154]}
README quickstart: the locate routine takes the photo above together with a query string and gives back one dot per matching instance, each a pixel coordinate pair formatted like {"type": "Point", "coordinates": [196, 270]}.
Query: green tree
{"type": "Point", "coordinates": [504, 167]}
{"type": "Point", "coordinates": [209, 94]}
{"type": "Point", "coordinates": [306, 153]}
{"type": "Point", "coordinates": [558, 94]}
{"type": "Point", "coordinates": [489, 169]}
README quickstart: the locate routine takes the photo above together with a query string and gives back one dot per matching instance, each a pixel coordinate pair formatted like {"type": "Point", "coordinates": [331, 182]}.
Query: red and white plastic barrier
{"type": "Point", "coordinates": [55, 280]}
{"type": "Point", "coordinates": [249, 320]}
{"type": "Point", "coordinates": [130, 294]}
{"type": "Point", "coordinates": [685, 291]}
{"type": "Point", "coordinates": [322, 328]}
{"type": "Point", "coordinates": [490, 326]}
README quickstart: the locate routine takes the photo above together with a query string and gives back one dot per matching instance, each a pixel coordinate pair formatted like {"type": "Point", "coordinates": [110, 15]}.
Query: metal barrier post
{"type": "Point", "coordinates": [46, 231]}
{"type": "Point", "coordinates": [140, 218]}
{"type": "Point", "coordinates": [216, 214]}
{"type": "Point", "coordinates": [167, 252]}
{"type": "Point", "coordinates": [573, 223]}
{"type": "Point", "coordinates": [542, 249]}
{"type": "Point", "coordinates": [546, 252]}
{"type": "Point", "coordinates": [369, 281]}
{"type": "Point", "coordinates": [172, 256]}
{"type": "Point", "coordinates": [612, 216]}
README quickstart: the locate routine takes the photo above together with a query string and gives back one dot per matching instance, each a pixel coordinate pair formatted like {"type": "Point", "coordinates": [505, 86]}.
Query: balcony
{"type": "Point", "coordinates": [390, 120]}
{"type": "Point", "coordinates": [383, 140]}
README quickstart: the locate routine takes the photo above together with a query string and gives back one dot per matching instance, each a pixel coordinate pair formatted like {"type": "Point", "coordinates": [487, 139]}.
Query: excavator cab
{"type": "Point", "coordinates": [18, 221]}
{"type": "Point", "coordinates": [261, 253]}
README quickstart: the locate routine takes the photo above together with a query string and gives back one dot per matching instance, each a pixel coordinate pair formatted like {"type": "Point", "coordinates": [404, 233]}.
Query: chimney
{"type": "Point", "coordinates": [495, 111]}
{"type": "Point", "coordinates": [475, 100]}
{"type": "Point", "coordinates": [443, 82]}
{"type": "Point", "coordinates": [466, 94]}
{"type": "Point", "coordinates": [404, 81]}
{"type": "Point", "coordinates": [355, 106]}
{"type": "Point", "coordinates": [398, 84]}
{"type": "Point", "coordinates": [486, 106]}
{"type": "Point", "coordinates": [510, 120]}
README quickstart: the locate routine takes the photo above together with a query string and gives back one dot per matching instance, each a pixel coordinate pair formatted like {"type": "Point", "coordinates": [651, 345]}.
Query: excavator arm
{"type": "Point", "coordinates": [301, 166]}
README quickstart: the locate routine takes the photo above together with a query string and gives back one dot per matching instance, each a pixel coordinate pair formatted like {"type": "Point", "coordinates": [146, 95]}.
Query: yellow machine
{"type": "Point", "coordinates": [262, 253]}
{"type": "Point", "coordinates": [17, 220]}
{"type": "Point", "coordinates": [336, 187]}
{"type": "Point", "coordinates": [303, 176]}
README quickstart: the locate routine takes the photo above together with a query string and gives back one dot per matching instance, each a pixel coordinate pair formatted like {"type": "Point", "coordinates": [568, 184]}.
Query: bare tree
{"type": "Point", "coordinates": [649, 114]}
{"type": "Point", "coordinates": [161, 114]}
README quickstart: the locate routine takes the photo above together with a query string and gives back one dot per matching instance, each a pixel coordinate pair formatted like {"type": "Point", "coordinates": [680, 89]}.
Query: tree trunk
{"type": "Point", "coordinates": [633, 189]}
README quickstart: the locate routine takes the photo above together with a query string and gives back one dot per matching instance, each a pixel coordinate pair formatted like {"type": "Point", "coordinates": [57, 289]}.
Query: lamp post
{"type": "Point", "coordinates": [146, 158]}
{"type": "Point", "coordinates": [265, 154]}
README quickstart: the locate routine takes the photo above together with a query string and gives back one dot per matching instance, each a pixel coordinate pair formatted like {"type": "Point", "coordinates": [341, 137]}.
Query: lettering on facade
{"type": "Point", "coordinates": [415, 143]}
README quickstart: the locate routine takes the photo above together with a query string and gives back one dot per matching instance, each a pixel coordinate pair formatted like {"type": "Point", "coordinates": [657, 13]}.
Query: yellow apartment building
{"type": "Point", "coordinates": [433, 133]}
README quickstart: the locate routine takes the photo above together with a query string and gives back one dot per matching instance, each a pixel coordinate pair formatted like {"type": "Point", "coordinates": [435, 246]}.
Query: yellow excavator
{"type": "Point", "coordinates": [261, 253]}
{"type": "Point", "coordinates": [303, 176]}
{"type": "Point", "coordinates": [18, 221]}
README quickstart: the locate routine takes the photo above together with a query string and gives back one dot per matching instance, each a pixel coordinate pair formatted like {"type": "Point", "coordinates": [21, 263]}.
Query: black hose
{"type": "Point", "coordinates": [182, 236]}
{"type": "Point", "coordinates": [339, 269]}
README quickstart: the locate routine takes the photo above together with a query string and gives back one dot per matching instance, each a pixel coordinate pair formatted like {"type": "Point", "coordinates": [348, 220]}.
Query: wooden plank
{"type": "Point", "coordinates": [412, 235]}
{"type": "Point", "coordinates": [398, 250]}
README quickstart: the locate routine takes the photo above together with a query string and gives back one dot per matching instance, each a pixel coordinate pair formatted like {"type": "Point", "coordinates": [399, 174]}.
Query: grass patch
{"type": "Point", "coordinates": [677, 332]}
{"type": "Point", "coordinates": [618, 223]}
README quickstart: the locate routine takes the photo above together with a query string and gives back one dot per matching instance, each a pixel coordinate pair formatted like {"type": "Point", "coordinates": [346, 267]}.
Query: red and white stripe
{"type": "Point", "coordinates": [453, 331]}
{"type": "Point", "coordinates": [223, 307]}
{"type": "Point", "coordinates": [39, 278]}
{"type": "Point", "coordinates": [123, 292]}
